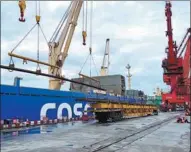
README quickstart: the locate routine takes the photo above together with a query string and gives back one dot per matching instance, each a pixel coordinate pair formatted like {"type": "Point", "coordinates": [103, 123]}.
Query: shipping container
{"type": "Point", "coordinates": [158, 97]}
{"type": "Point", "coordinates": [150, 102]}
{"type": "Point", "coordinates": [150, 98]}
{"type": "Point", "coordinates": [112, 83]}
{"type": "Point", "coordinates": [154, 100]}
{"type": "Point", "coordinates": [158, 100]}
{"type": "Point", "coordinates": [135, 93]}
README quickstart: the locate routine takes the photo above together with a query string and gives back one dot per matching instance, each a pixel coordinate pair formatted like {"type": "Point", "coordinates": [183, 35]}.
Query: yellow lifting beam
{"type": "Point", "coordinates": [25, 59]}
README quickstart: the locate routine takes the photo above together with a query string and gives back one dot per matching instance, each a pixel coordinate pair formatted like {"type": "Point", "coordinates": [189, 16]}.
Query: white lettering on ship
{"type": "Point", "coordinates": [86, 108]}
{"type": "Point", "coordinates": [61, 107]}
{"type": "Point", "coordinates": [45, 108]}
{"type": "Point", "coordinates": [76, 106]}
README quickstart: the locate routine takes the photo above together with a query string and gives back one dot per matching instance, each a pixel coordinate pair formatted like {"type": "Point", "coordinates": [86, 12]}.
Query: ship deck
{"type": "Point", "coordinates": [133, 135]}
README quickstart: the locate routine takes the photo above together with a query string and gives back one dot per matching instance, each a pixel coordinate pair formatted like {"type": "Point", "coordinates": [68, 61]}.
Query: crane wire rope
{"type": "Point", "coordinates": [90, 64]}
{"type": "Point", "coordinates": [83, 12]}
{"type": "Point", "coordinates": [90, 40]}
{"type": "Point", "coordinates": [84, 27]}
{"type": "Point", "coordinates": [59, 26]}
{"type": "Point", "coordinates": [58, 29]}
{"type": "Point", "coordinates": [40, 28]}
{"type": "Point", "coordinates": [95, 65]}
{"type": "Point", "coordinates": [84, 63]}
{"type": "Point", "coordinates": [84, 21]}
{"type": "Point", "coordinates": [91, 15]}
{"type": "Point", "coordinates": [23, 38]}
{"type": "Point", "coordinates": [86, 16]}
{"type": "Point", "coordinates": [43, 34]}
{"type": "Point", "coordinates": [90, 47]}
{"type": "Point", "coordinates": [11, 63]}
{"type": "Point", "coordinates": [185, 41]}
{"type": "Point", "coordinates": [91, 30]}
{"type": "Point", "coordinates": [38, 39]}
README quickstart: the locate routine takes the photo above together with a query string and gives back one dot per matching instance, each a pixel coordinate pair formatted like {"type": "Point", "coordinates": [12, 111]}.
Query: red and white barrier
{"type": "Point", "coordinates": [45, 121]}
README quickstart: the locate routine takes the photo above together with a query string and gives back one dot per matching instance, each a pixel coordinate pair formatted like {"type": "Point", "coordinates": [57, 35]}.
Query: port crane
{"type": "Point", "coordinates": [105, 64]}
{"type": "Point", "coordinates": [58, 45]}
{"type": "Point", "coordinates": [57, 56]}
{"type": "Point", "coordinates": [176, 68]}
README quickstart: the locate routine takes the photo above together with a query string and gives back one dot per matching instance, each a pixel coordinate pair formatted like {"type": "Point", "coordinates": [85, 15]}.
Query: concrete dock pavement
{"type": "Point", "coordinates": [131, 135]}
{"type": "Point", "coordinates": [172, 137]}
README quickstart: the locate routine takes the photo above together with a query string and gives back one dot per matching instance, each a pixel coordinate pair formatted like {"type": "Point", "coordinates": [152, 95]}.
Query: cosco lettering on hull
{"type": "Point", "coordinates": [62, 106]}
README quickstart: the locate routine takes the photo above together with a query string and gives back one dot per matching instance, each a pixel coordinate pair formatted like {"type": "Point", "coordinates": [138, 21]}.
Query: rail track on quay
{"type": "Point", "coordinates": [115, 143]}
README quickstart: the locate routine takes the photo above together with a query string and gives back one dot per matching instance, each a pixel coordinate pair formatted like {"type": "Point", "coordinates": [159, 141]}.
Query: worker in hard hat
{"type": "Point", "coordinates": [182, 120]}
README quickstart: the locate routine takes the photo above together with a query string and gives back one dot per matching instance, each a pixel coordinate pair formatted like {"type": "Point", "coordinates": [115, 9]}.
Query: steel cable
{"type": "Point", "coordinates": [60, 24]}
{"type": "Point", "coordinates": [23, 38]}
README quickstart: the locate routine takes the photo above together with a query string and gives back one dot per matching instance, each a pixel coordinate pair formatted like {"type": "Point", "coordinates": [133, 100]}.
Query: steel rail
{"type": "Point", "coordinates": [48, 75]}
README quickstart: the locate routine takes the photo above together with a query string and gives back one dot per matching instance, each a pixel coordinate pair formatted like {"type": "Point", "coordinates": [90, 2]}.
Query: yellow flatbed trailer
{"type": "Point", "coordinates": [116, 111]}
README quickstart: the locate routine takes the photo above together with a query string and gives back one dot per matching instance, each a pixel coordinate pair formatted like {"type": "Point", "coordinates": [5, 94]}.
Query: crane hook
{"type": "Point", "coordinates": [22, 6]}
{"type": "Point", "coordinates": [84, 35]}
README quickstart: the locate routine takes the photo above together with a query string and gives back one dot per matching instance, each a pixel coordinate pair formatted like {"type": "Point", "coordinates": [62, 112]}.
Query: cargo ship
{"type": "Point", "coordinates": [34, 104]}
{"type": "Point", "coordinates": [26, 103]}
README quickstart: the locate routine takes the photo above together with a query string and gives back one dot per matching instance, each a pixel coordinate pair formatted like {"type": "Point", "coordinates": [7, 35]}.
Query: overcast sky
{"type": "Point", "coordinates": [136, 31]}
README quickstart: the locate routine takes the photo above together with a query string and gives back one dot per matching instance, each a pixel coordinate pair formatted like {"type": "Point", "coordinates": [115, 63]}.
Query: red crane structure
{"type": "Point", "coordinates": [176, 68]}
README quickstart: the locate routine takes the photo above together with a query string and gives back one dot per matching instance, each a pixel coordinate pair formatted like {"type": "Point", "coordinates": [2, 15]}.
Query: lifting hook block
{"type": "Point", "coordinates": [84, 35]}
{"type": "Point", "coordinates": [38, 71]}
{"type": "Point", "coordinates": [21, 19]}
{"type": "Point", "coordinates": [22, 6]}
{"type": "Point", "coordinates": [90, 49]}
{"type": "Point", "coordinates": [11, 65]}
{"type": "Point", "coordinates": [24, 61]}
{"type": "Point", "coordinates": [37, 19]}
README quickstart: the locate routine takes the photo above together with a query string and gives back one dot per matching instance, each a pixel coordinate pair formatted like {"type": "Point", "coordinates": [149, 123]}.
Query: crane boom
{"type": "Point", "coordinates": [57, 56]}
{"type": "Point", "coordinates": [169, 33]}
{"type": "Point", "coordinates": [104, 67]}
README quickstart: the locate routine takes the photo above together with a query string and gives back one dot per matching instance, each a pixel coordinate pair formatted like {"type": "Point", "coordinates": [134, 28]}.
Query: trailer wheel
{"type": "Point", "coordinates": [102, 117]}
{"type": "Point", "coordinates": [155, 112]}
